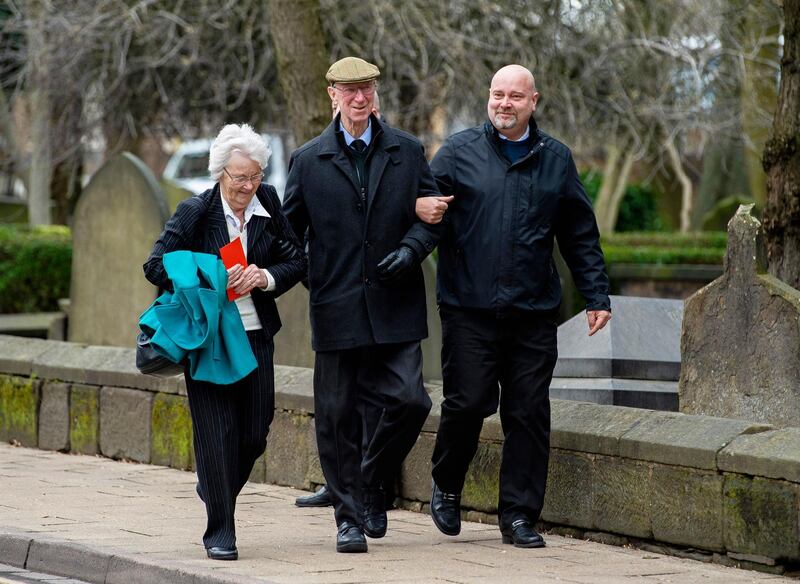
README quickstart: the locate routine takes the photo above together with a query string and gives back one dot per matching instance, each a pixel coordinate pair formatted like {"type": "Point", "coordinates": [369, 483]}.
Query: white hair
{"type": "Point", "coordinates": [236, 138]}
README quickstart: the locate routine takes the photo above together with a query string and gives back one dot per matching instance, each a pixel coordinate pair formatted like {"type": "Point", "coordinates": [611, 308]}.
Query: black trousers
{"type": "Point", "coordinates": [230, 425]}
{"type": "Point", "coordinates": [479, 351]}
{"type": "Point", "coordinates": [347, 384]}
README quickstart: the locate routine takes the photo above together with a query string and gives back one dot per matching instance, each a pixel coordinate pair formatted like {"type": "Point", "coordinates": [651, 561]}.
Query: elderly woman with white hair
{"type": "Point", "coordinates": [230, 422]}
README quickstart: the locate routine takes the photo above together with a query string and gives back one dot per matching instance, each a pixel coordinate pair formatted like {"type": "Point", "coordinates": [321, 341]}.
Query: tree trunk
{"type": "Point", "coordinates": [782, 160]}
{"type": "Point", "coordinates": [302, 63]}
{"type": "Point", "coordinates": [66, 187]}
{"type": "Point", "coordinates": [603, 201]}
{"type": "Point", "coordinates": [758, 94]}
{"type": "Point", "coordinates": [9, 134]}
{"type": "Point", "coordinates": [41, 156]}
{"type": "Point", "coordinates": [619, 189]}
{"type": "Point", "coordinates": [615, 179]}
{"type": "Point", "coordinates": [686, 184]}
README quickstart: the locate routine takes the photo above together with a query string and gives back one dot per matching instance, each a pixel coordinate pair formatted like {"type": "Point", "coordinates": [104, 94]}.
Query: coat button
{"type": "Point", "coordinates": [367, 243]}
{"type": "Point", "coordinates": [358, 206]}
{"type": "Point", "coordinates": [368, 282]}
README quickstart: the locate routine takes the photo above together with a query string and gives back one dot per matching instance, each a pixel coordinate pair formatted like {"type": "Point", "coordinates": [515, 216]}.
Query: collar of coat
{"type": "Point", "coordinates": [218, 227]}
{"type": "Point", "coordinates": [383, 137]}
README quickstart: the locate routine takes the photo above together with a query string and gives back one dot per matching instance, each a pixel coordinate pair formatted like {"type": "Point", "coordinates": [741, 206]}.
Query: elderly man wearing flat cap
{"type": "Point", "coordinates": [354, 188]}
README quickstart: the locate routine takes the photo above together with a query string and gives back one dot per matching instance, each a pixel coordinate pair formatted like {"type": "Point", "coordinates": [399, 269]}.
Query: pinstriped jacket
{"type": "Point", "coordinates": [199, 225]}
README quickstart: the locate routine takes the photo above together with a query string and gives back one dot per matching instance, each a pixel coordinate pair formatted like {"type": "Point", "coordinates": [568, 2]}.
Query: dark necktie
{"type": "Point", "coordinates": [359, 148]}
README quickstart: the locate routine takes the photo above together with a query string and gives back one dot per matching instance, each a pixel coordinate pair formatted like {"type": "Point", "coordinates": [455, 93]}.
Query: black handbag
{"type": "Point", "coordinates": [150, 362]}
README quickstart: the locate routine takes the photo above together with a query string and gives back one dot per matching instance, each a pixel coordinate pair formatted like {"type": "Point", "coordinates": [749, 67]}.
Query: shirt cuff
{"type": "Point", "coordinates": [270, 281]}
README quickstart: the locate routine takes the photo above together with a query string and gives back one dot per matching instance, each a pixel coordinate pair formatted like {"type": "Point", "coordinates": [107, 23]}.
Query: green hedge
{"type": "Point", "coordinates": [35, 266]}
{"type": "Point", "coordinates": [35, 262]}
{"type": "Point", "coordinates": [665, 248]}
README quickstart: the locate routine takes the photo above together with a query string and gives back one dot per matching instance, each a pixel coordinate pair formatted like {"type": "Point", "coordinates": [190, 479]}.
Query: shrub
{"type": "Point", "coordinates": [638, 210]}
{"type": "Point", "coordinates": [665, 248]}
{"type": "Point", "coordinates": [35, 266]}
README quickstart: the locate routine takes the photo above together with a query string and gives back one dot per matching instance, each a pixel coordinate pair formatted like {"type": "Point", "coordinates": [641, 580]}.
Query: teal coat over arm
{"type": "Point", "coordinates": [197, 322]}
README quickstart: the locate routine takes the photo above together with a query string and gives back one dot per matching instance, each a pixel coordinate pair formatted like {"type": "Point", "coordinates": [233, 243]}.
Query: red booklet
{"type": "Point", "coordinates": [233, 254]}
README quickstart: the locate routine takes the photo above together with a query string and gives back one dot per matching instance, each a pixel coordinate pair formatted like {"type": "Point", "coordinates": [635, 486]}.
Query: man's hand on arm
{"type": "Point", "coordinates": [597, 320]}
{"type": "Point", "coordinates": [431, 209]}
{"type": "Point", "coordinates": [397, 264]}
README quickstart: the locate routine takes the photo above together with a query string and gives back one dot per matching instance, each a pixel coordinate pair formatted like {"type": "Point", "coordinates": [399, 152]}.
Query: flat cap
{"type": "Point", "coordinates": [352, 70]}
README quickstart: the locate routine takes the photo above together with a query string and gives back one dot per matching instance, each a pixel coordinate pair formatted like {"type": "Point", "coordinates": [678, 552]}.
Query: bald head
{"type": "Point", "coordinates": [512, 100]}
{"type": "Point", "coordinates": [516, 73]}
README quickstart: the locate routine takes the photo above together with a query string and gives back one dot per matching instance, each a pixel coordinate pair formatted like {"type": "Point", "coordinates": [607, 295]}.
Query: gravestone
{"type": "Point", "coordinates": [293, 341]}
{"type": "Point", "coordinates": [634, 361]}
{"type": "Point", "coordinates": [432, 346]}
{"type": "Point", "coordinates": [740, 345]}
{"type": "Point", "coordinates": [117, 219]}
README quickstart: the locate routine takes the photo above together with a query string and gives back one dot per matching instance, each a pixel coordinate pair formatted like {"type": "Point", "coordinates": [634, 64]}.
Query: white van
{"type": "Point", "coordinates": [188, 167]}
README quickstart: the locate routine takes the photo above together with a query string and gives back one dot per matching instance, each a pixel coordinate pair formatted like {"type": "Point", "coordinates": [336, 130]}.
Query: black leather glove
{"type": "Point", "coordinates": [397, 264]}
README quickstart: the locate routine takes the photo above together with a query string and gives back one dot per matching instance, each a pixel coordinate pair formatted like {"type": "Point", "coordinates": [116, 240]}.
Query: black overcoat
{"type": "Point", "coordinates": [349, 232]}
{"type": "Point", "coordinates": [199, 225]}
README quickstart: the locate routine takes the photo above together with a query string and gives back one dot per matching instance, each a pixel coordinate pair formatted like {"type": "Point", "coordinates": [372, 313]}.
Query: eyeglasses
{"type": "Point", "coordinates": [348, 91]}
{"type": "Point", "coordinates": [240, 181]}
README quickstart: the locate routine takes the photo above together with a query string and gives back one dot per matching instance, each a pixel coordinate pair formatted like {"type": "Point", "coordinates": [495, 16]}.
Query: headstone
{"type": "Point", "coordinates": [293, 341]}
{"type": "Point", "coordinates": [432, 346]}
{"type": "Point", "coordinates": [118, 217]}
{"type": "Point", "coordinates": [634, 361]}
{"type": "Point", "coordinates": [740, 345]}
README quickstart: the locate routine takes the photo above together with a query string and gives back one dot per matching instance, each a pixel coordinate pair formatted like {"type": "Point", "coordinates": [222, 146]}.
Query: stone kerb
{"type": "Point", "coordinates": [117, 218]}
{"type": "Point", "coordinates": [740, 341]}
{"type": "Point", "coordinates": [720, 485]}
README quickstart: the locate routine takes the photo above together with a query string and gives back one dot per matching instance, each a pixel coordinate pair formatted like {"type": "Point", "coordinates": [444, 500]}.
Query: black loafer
{"type": "Point", "coordinates": [446, 511]}
{"type": "Point", "coordinates": [322, 498]}
{"type": "Point", "coordinates": [522, 535]}
{"type": "Point", "coordinates": [222, 553]}
{"type": "Point", "coordinates": [350, 538]}
{"type": "Point", "coordinates": [374, 518]}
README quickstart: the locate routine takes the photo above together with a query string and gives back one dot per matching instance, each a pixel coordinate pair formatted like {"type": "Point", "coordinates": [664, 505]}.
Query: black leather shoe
{"type": "Point", "coordinates": [322, 498]}
{"type": "Point", "coordinates": [350, 538]}
{"type": "Point", "coordinates": [222, 553]}
{"type": "Point", "coordinates": [446, 511]}
{"type": "Point", "coordinates": [374, 519]}
{"type": "Point", "coordinates": [522, 535]}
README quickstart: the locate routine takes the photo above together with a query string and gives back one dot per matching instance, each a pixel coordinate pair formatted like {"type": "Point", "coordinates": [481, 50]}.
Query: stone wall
{"type": "Point", "coordinates": [710, 488]}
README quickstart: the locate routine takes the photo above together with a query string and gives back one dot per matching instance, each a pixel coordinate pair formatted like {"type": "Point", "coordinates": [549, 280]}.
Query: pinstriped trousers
{"type": "Point", "coordinates": [230, 425]}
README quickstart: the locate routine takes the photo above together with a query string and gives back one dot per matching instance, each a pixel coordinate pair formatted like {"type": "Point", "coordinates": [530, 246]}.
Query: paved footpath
{"type": "Point", "coordinates": [98, 520]}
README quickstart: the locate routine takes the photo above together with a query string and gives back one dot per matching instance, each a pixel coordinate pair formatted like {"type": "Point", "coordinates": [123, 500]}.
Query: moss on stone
{"type": "Point", "coordinates": [84, 419]}
{"type": "Point", "coordinates": [19, 409]}
{"type": "Point", "coordinates": [171, 427]}
{"type": "Point", "coordinates": [568, 498]}
{"type": "Point", "coordinates": [621, 496]}
{"type": "Point", "coordinates": [761, 517]}
{"type": "Point", "coordinates": [686, 506]}
{"type": "Point", "coordinates": [482, 484]}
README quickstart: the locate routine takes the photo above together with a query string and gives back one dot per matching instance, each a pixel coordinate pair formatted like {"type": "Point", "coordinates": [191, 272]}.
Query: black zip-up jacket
{"type": "Point", "coordinates": [497, 250]}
